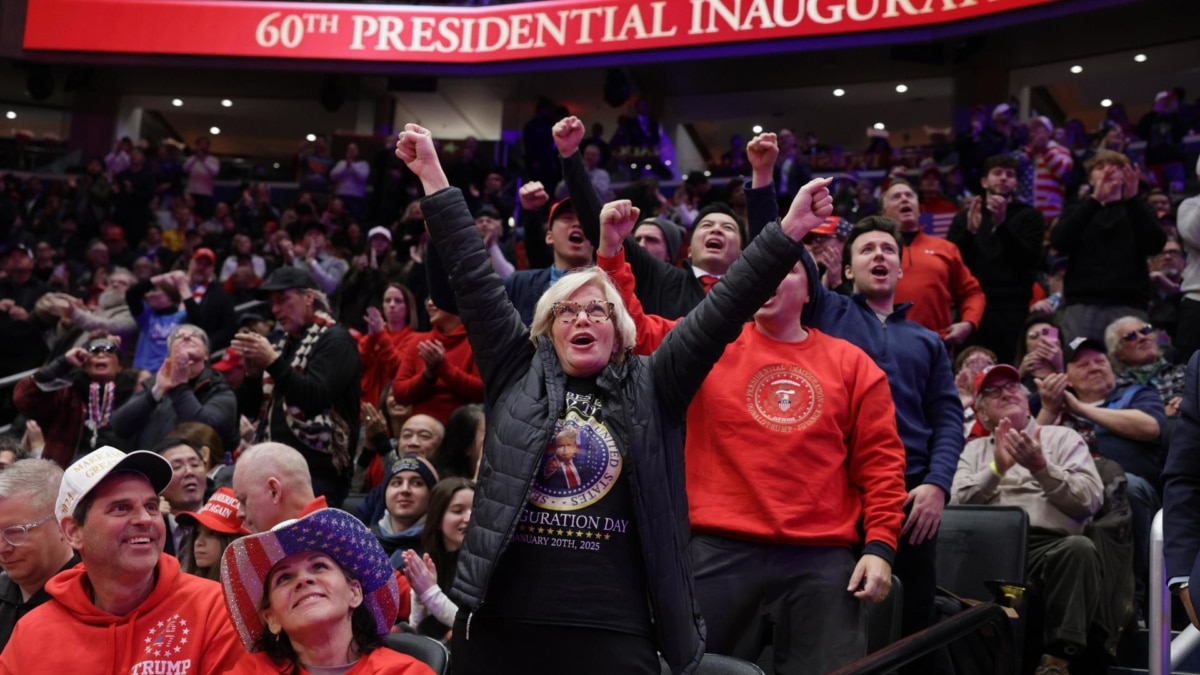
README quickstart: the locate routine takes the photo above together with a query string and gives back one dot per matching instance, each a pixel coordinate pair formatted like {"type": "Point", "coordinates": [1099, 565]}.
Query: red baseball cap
{"type": "Point", "coordinates": [991, 373]}
{"type": "Point", "coordinates": [205, 253]}
{"type": "Point", "coordinates": [560, 207]}
{"type": "Point", "coordinates": [219, 514]}
{"type": "Point", "coordinates": [231, 359]}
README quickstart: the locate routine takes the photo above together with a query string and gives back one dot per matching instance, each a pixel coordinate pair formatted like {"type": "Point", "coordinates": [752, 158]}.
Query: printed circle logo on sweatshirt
{"type": "Point", "coordinates": [784, 397]}
{"type": "Point", "coordinates": [578, 468]}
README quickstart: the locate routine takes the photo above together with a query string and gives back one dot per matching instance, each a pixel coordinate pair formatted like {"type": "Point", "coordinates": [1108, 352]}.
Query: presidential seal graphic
{"type": "Point", "coordinates": [580, 466]}
{"type": "Point", "coordinates": [784, 397]}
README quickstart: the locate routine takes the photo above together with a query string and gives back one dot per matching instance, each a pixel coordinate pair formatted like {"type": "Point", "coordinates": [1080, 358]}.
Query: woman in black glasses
{"type": "Point", "coordinates": [73, 398]}
{"type": "Point", "coordinates": [575, 559]}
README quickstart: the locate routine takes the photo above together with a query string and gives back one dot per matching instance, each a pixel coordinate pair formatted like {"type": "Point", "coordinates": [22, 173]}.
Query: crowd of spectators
{"type": "Point", "coordinates": [1038, 289]}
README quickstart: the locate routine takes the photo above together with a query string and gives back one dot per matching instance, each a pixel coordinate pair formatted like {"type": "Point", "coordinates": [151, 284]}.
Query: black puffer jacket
{"type": "Point", "coordinates": [645, 399]}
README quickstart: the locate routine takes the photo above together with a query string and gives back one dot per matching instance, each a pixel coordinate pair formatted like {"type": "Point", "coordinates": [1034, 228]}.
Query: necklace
{"type": "Point", "coordinates": [99, 408]}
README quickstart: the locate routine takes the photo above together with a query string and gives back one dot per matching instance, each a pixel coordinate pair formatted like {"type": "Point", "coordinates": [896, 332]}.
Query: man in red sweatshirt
{"type": "Point", "coordinates": [128, 609]}
{"type": "Point", "coordinates": [791, 444]}
{"type": "Point", "coordinates": [933, 275]}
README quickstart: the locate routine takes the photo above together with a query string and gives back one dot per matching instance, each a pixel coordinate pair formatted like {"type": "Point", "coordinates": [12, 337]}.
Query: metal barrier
{"type": "Point", "coordinates": [937, 636]}
{"type": "Point", "coordinates": [1165, 654]}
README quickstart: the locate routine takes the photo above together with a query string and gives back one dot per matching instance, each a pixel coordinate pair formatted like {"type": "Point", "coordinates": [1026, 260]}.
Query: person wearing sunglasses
{"type": "Point", "coordinates": [73, 398]}
{"type": "Point", "coordinates": [32, 548]}
{"type": "Point", "coordinates": [1137, 359]}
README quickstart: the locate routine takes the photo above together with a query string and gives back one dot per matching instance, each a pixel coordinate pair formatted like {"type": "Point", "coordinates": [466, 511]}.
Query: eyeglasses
{"type": "Point", "coordinates": [1132, 335]}
{"type": "Point", "coordinates": [595, 310]}
{"type": "Point", "coordinates": [101, 348]}
{"type": "Point", "coordinates": [18, 535]}
{"type": "Point", "coordinates": [995, 390]}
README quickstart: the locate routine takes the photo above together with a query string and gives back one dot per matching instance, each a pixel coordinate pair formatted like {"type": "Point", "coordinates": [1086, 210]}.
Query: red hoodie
{"type": "Point", "coordinates": [381, 661]}
{"type": "Point", "coordinates": [457, 383]}
{"type": "Point", "coordinates": [380, 356]}
{"type": "Point", "coordinates": [182, 628]}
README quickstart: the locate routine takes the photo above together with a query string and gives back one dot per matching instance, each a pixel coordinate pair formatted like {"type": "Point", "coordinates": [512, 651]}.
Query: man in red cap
{"type": "Point", "coordinates": [210, 307]}
{"type": "Point", "coordinates": [571, 249]}
{"type": "Point", "coordinates": [1049, 472]}
{"type": "Point", "coordinates": [825, 244]}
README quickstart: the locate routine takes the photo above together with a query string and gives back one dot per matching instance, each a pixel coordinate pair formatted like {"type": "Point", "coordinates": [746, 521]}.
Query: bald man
{"type": "Point", "coordinates": [420, 435]}
{"type": "Point", "coordinates": [272, 484]}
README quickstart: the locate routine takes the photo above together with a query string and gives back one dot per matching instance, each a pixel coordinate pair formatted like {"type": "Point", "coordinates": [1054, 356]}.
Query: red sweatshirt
{"type": "Point", "coordinates": [380, 356]}
{"type": "Point", "coordinates": [381, 661]}
{"type": "Point", "coordinates": [793, 443]}
{"type": "Point", "coordinates": [182, 627]}
{"type": "Point", "coordinates": [458, 381]}
{"type": "Point", "coordinates": [935, 279]}
{"type": "Point", "coordinates": [850, 458]}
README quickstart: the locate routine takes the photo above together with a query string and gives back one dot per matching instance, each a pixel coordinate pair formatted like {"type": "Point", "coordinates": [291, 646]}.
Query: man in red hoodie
{"type": "Point", "coordinates": [128, 609]}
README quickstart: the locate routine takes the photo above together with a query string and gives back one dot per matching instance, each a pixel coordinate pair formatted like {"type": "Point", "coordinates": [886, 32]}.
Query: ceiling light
{"type": "Point", "coordinates": [1106, 103]}
{"type": "Point", "coordinates": [215, 131]}
{"type": "Point", "coordinates": [11, 115]}
{"type": "Point", "coordinates": [310, 138]}
{"type": "Point", "coordinates": [276, 165]}
{"type": "Point", "coordinates": [757, 128]}
{"type": "Point", "coordinates": [226, 103]}
{"type": "Point", "coordinates": [879, 126]}
{"type": "Point", "coordinates": [839, 92]}
{"type": "Point", "coordinates": [901, 88]}
{"type": "Point", "coordinates": [1077, 69]}
{"type": "Point", "coordinates": [177, 102]}
{"type": "Point", "coordinates": [1140, 58]}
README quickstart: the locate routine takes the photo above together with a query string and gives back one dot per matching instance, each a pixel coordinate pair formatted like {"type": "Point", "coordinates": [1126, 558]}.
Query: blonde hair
{"type": "Point", "coordinates": [543, 318]}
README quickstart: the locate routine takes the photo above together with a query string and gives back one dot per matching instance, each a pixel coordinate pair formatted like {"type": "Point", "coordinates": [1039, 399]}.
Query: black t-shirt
{"type": "Point", "coordinates": [575, 558]}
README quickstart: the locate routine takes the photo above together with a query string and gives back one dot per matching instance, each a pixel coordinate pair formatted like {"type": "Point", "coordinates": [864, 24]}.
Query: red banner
{"type": "Point", "coordinates": [531, 30]}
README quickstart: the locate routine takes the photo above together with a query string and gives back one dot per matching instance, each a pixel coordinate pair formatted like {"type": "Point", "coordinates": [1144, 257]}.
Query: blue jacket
{"type": "Point", "coordinates": [1181, 481]}
{"type": "Point", "coordinates": [929, 413]}
{"type": "Point", "coordinates": [1142, 458]}
{"type": "Point", "coordinates": [525, 288]}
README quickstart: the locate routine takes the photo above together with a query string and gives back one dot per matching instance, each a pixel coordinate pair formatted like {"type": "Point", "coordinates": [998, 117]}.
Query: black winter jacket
{"type": "Point", "coordinates": [645, 399]}
{"type": "Point", "coordinates": [1003, 258]}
